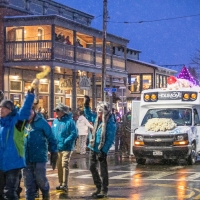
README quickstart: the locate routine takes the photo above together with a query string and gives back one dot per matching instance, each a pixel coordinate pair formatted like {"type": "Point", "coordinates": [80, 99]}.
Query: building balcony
{"type": "Point", "coordinates": [43, 50]}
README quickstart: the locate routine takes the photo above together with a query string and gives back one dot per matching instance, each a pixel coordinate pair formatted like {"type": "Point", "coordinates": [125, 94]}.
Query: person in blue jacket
{"type": "Point", "coordinates": [65, 131]}
{"type": "Point", "coordinates": [39, 139]}
{"type": "Point", "coordinates": [100, 141]}
{"type": "Point", "coordinates": [12, 158]}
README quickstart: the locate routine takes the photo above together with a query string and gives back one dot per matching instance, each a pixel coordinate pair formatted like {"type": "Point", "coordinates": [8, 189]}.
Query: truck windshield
{"type": "Point", "coordinates": [180, 116]}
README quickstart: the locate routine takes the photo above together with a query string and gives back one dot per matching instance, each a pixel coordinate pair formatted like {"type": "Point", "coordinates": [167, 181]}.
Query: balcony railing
{"type": "Point", "coordinates": [43, 50]}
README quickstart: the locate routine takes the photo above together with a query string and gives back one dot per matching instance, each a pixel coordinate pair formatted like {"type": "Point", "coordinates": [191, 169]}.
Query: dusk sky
{"type": "Point", "coordinates": [167, 42]}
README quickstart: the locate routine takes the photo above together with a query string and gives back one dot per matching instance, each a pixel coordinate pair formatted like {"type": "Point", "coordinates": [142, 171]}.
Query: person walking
{"type": "Point", "coordinates": [100, 141]}
{"type": "Point", "coordinates": [12, 158]}
{"type": "Point", "coordinates": [65, 131]}
{"type": "Point", "coordinates": [82, 125]}
{"type": "Point", "coordinates": [38, 141]}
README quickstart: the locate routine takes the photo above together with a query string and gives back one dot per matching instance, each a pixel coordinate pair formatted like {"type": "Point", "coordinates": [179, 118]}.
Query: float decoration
{"type": "Point", "coordinates": [160, 124]}
{"type": "Point", "coordinates": [183, 80]}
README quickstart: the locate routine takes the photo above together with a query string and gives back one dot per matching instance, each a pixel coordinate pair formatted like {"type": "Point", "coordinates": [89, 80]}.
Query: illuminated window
{"type": "Point", "coordinates": [134, 82]}
{"type": "Point", "coordinates": [146, 82]}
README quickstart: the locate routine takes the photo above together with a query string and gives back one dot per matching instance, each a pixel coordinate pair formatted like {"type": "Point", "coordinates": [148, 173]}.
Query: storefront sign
{"type": "Point", "coordinates": [65, 84]}
{"type": "Point", "coordinates": [84, 83]}
{"type": "Point", "coordinates": [169, 95]}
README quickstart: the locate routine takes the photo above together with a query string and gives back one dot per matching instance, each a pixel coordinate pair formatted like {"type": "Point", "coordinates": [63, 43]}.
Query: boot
{"type": "Point", "coordinates": [102, 194]}
{"type": "Point", "coordinates": [94, 194]}
{"type": "Point", "coordinates": [37, 194]}
{"type": "Point", "coordinates": [45, 197]}
{"type": "Point", "coordinates": [19, 190]}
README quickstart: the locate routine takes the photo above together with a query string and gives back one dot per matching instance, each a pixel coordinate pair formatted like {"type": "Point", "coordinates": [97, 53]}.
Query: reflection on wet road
{"type": "Point", "coordinates": [153, 181]}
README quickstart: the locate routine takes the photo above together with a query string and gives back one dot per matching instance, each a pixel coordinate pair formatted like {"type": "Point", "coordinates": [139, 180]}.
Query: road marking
{"type": "Point", "coordinates": [161, 175]}
{"type": "Point", "coordinates": [193, 176]}
{"type": "Point", "coordinates": [153, 175]}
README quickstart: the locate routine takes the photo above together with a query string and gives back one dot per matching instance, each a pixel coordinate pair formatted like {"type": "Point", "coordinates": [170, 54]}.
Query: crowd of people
{"type": "Point", "coordinates": [26, 138]}
{"type": "Point", "coordinates": [66, 39]}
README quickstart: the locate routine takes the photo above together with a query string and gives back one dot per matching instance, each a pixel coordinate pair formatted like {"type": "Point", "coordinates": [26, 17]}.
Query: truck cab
{"type": "Point", "coordinates": [169, 125]}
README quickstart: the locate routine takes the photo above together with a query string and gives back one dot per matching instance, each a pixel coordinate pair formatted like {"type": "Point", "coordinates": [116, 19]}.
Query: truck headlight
{"type": "Point", "coordinates": [139, 140]}
{"type": "Point", "coordinates": [181, 139]}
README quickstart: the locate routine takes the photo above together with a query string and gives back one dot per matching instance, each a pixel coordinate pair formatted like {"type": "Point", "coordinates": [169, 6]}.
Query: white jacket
{"type": "Point", "coordinates": [82, 125]}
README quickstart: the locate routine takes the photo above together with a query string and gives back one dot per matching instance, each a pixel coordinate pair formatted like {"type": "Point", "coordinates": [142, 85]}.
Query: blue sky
{"type": "Point", "coordinates": [168, 42]}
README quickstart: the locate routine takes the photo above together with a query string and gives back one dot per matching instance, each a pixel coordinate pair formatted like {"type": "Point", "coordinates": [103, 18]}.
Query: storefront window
{"type": "Point", "coordinates": [157, 81]}
{"type": "Point", "coordinates": [58, 100]}
{"type": "Point", "coordinates": [161, 81]}
{"type": "Point", "coordinates": [16, 85]}
{"type": "Point", "coordinates": [135, 83]}
{"type": "Point", "coordinates": [16, 98]}
{"type": "Point", "coordinates": [27, 86]}
{"type": "Point", "coordinates": [164, 81]}
{"type": "Point", "coordinates": [146, 82]}
{"type": "Point", "coordinates": [44, 88]}
{"type": "Point", "coordinates": [57, 89]}
{"type": "Point", "coordinates": [80, 103]}
{"type": "Point", "coordinates": [43, 102]}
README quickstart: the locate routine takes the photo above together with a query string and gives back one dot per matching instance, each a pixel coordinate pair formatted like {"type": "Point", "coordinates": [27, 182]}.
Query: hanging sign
{"type": "Point", "coordinates": [84, 83]}
{"type": "Point", "coordinates": [65, 84]}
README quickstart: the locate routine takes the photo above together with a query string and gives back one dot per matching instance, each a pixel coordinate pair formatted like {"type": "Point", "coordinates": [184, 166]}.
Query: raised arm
{"type": "Point", "coordinates": [88, 113]}
{"type": "Point", "coordinates": [25, 110]}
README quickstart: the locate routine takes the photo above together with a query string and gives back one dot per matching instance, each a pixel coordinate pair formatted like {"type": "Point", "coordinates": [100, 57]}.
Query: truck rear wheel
{"type": "Point", "coordinates": [140, 161]}
{"type": "Point", "coordinates": [193, 156]}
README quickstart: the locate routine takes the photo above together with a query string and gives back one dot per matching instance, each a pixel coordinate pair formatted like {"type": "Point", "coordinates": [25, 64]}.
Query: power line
{"type": "Point", "coordinates": [156, 20]}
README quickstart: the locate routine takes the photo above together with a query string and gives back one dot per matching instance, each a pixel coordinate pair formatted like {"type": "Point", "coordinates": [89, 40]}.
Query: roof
{"type": "Point", "coordinates": [159, 68]}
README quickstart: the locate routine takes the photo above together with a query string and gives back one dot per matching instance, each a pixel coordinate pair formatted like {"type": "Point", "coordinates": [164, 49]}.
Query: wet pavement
{"type": "Point", "coordinates": [152, 181]}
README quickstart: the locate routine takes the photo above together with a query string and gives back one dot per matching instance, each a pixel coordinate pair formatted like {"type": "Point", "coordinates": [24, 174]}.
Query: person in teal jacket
{"type": "Point", "coordinates": [12, 158]}
{"type": "Point", "coordinates": [100, 141]}
{"type": "Point", "coordinates": [39, 139]}
{"type": "Point", "coordinates": [65, 131]}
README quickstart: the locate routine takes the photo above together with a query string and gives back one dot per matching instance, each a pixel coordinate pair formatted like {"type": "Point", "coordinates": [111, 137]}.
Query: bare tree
{"type": "Point", "coordinates": [196, 58]}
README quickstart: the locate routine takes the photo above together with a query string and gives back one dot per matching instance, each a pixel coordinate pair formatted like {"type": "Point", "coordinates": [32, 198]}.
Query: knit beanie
{"type": "Point", "coordinates": [7, 104]}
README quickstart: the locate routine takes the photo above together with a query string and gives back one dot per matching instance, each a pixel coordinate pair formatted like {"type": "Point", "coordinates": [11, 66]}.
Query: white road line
{"type": "Point", "coordinates": [161, 175]}
{"type": "Point", "coordinates": [193, 176]}
{"type": "Point", "coordinates": [124, 176]}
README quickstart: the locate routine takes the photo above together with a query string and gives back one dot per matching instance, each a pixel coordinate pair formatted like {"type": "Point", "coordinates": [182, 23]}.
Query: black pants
{"type": "Point", "coordinates": [9, 184]}
{"type": "Point", "coordinates": [101, 183]}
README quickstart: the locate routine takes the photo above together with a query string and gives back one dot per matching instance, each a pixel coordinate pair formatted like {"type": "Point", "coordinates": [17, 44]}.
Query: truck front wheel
{"type": "Point", "coordinates": [140, 161]}
{"type": "Point", "coordinates": [192, 157]}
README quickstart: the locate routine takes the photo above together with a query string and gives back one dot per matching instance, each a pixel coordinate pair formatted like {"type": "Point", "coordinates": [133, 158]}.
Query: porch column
{"type": "Point", "coordinates": [51, 102]}
{"type": "Point", "coordinates": [93, 91]}
{"type": "Point", "coordinates": [53, 35]}
{"type": "Point", "coordinates": [94, 49]}
{"type": "Point", "coordinates": [75, 45]}
{"type": "Point", "coordinates": [111, 86]}
{"type": "Point", "coordinates": [73, 90]}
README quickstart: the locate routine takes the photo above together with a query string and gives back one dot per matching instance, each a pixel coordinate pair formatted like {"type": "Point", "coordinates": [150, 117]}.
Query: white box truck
{"type": "Point", "coordinates": [168, 125]}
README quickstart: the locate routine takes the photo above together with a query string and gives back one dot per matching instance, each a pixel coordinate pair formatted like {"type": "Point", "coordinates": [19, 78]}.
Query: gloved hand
{"type": "Point", "coordinates": [87, 101]}
{"type": "Point", "coordinates": [102, 156]}
{"type": "Point", "coordinates": [53, 159]}
{"type": "Point", "coordinates": [31, 90]}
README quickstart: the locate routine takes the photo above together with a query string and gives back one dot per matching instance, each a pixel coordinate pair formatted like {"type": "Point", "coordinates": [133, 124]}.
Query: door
{"type": "Point", "coordinates": [67, 102]}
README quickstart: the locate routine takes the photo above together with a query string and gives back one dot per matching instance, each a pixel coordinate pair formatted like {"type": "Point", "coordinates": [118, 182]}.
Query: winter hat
{"type": "Point", "coordinates": [7, 104]}
{"type": "Point", "coordinates": [61, 107]}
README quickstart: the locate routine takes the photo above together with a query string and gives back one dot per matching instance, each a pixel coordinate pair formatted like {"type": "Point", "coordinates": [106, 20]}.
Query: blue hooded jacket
{"type": "Point", "coordinates": [110, 132]}
{"type": "Point", "coordinates": [10, 153]}
{"type": "Point", "coordinates": [39, 139]}
{"type": "Point", "coordinates": [65, 132]}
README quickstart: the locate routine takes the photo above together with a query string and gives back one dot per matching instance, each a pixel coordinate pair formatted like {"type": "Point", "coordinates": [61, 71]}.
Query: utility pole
{"type": "Point", "coordinates": [103, 78]}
